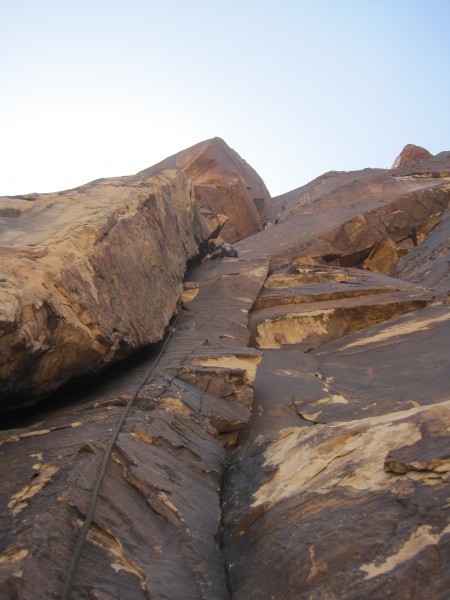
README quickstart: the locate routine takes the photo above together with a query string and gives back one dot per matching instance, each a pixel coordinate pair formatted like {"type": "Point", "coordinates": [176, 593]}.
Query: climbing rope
{"type": "Point", "coordinates": [96, 489]}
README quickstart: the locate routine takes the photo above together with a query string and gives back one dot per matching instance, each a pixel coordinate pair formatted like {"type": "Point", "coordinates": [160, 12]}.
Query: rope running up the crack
{"type": "Point", "coordinates": [96, 489]}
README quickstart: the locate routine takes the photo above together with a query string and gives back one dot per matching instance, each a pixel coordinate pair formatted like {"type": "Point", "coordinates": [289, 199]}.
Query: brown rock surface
{"type": "Point", "coordinates": [223, 184]}
{"type": "Point", "coordinates": [313, 469]}
{"type": "Point", "coordinates": [157, 522]}
{"type": "Point", "coordinates": [409, 154]}
{"type": "Point", "coordinates": [362, 208]}
{"type": "Point", "coordinates": [91, 274]}
{"type": "Point", "coordinates": [355, 504]}
{"type": "Point", "coordinates": [311, 314]}
{"type": "Point", "coordinates": [340, 486]}
{"type": "Point", "coordinates": [429, 263]}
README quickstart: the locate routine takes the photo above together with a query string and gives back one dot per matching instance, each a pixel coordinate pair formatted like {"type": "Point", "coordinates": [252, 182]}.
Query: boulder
{"type": "Point", "coordinates": [87, 277]}
{"type": "Point", "coordinates": [409, 154]}
{"type": "Point", "coordinates": [90, 275]}
{"type": "Point", "coordinates": [383, 256]}
{"type": "Point", "coordinates": [224, 184]}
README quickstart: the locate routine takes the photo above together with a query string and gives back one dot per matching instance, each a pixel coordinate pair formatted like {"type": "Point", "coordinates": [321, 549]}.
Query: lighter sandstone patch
{"type": "Point", "coordinates": [248, 363]}
{"type": "Point", "coordinates": [120, 561]}
{"type": "Point", "coordinates": [419, 539]}
{"type": "Point", "coordinates": [399, 330]}
{"type": "Point", "coordinates": [257, 272]}
{"type": "Point", "coordinates": [18, 500]}
{"type": "Point", "coordinates": [292, 329]}
{"type": "Point", "coordinates": [341, 454]}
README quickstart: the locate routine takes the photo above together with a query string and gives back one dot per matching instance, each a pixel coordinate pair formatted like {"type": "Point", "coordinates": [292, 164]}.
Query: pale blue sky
{"type": "Point", "coordinates": [98, 88]}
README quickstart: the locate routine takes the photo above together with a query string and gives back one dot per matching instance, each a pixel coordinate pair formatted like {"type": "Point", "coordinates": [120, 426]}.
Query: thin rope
{"type": "Point", "coordinates": [95, 490]}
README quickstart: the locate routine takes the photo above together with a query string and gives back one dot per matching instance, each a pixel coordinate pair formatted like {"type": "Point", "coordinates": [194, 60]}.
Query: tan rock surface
{"type": "Point", "coordinates": [383, 256]}
{"type": "Point", "coordinates": [89, 275]}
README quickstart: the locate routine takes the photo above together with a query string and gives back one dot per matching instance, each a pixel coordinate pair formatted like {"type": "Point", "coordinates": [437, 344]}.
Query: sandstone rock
{"type": "Point", "coordinates": [429, 263]}
{"type": "Point", "coordinates": [77, 293]}
{"type": "Point", "coordinates": [383, 257]}
{"type": "Point", "coordinates": [372, 456]}
{"type": "Point", "coordinates": [339, 484]}
{"type": "Point", "coordinates": [322, 518]}
{"type": "Point", "coordinates": [409, 154]}
{"type": "Point", "coordinates": [311, 315]}
{"type": "Point", "coordinates": [88, 276]}
{"type": "Point", "coordinates": [157, 528]}
{"type": "Point", "coordinates": [223, 184]}
{"type": "Point", "coordinates": [340, 217]}
{"type": "Point", "coordinates": [361, 404]}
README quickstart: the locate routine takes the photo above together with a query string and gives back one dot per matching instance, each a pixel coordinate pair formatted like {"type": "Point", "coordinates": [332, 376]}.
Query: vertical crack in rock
{"type": "Point", "coordinates": [221, 531]}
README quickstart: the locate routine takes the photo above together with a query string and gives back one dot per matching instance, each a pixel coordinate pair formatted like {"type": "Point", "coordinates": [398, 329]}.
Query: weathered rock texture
{"type": "Point", "coordinates": [224, 184]}
{"type": "Point", "coordinates": [92, 274]}
{"type": "Point", "coordinates": [310, 306]}
{"type": "Point", "coordinates": [429, 263]}
{"type": "Point", "coordinates": [156, 532]}
{"type": "Point", "coordinates": [362, 208]}
{"type": "Point", "coordinates": [293, 439]}
{"type": "Point", "coordinates": [89, 275]}
{"type": "Point", "coordinates": [340, 486]}
{"type": "Point", "coordinates": [410, 153]}
{"type": "Point", "coordinates": [356, 504]}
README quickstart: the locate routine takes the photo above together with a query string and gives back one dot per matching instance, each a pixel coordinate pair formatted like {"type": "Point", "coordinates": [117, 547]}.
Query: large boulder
{"type": "Point", "coordinates": [224, 184]}
{"type": "Point", "coordinates": [92, 274]}
{"type": "Point", "coordinates": [409, 154]}
{"type": "Point", "coordinates": [88, 276]}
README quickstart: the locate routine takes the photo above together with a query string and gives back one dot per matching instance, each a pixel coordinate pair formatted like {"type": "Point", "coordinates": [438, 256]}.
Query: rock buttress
{"type": "Point", "coordinates": [88, 276]}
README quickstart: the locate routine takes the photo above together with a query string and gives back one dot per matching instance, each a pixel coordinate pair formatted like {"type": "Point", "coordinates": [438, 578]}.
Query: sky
{"type": "Point", "coordinates": [101, 88]}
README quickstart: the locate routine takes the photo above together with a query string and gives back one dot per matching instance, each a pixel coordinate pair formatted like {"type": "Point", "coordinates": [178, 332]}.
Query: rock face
{"type": "Point", "coordinates": [340, 218]}
{"type": "Point", "coordinates": [429, 263]}
{"type": "Point", "coordinates": [157, 522]}
{"type": "Point", "coordinates": [309, 306]}
{"type": "Point", "coordinates": [92, 274]}
{"type": "Point", "coordinates": [224, 184]}
{"type": "Point", "coordinates": [409, 154]}
{"type": "Point", "coordinates": [289, 440]}
{"type": "Point", "coordinates": [76, 290]}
